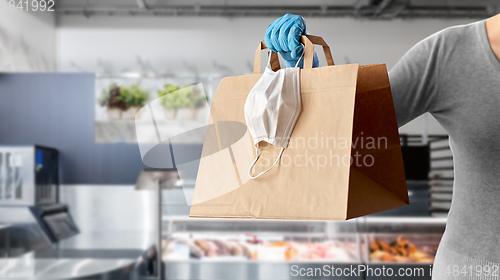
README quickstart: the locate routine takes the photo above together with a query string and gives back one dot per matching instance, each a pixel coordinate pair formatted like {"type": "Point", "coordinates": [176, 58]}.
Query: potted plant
{"type": "Point", "coordinates": [110, 98]}
{"type": "Point", "coordinates": [171, 99]}
{"type": "Point", "coordinates": [135, 98]}
{"type": "Point", "coordinates": [195, 101]}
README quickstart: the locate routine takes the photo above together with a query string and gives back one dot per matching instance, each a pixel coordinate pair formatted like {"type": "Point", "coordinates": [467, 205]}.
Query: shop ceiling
{"type": "Point", "coordinates": [370, 9]}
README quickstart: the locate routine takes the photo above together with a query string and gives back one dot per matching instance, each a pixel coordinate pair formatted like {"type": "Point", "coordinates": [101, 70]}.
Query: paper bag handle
{"type": "Point", "coordinates": [308, 40]}
{"type": "Point", "coordinates": [275, 62]}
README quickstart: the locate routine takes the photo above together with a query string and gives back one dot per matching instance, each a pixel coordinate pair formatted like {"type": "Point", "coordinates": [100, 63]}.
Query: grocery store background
{"type": "Point", "coordinates": [55, 68]}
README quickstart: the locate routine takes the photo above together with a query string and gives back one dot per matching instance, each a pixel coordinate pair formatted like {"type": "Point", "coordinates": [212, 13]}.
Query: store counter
{"type": "Point", "coordinates": [4, 240]}
{"type": "Point", "coordinates": [98, 255]}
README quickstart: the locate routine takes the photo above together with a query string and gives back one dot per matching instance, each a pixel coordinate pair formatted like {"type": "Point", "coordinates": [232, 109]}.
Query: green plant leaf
{"type": "Point", "coordinates": [134, 95]}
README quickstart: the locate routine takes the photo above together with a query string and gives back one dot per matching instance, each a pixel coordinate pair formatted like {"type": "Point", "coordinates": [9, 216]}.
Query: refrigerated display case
{"type": "Point", "coordinates": [199, 248]}
{"type": "Point", "coordinates": [202, 248]}
{"type": "Point", "coordinates": [269, 240]}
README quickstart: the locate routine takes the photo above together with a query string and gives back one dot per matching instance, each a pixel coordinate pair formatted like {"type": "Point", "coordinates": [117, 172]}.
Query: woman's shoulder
{"type": "Point", "coordinates": [456, 36]}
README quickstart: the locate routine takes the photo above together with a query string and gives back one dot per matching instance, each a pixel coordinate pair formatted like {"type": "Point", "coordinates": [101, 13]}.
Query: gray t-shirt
{"type": "Point", "coordinates": [455, 76]}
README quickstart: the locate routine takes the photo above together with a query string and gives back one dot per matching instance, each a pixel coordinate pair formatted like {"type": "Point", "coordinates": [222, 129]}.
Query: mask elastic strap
{"type": "Point", "coordinates": [269, 60]}
{"type": "Point", "coordinates": [298, 61]}
{"type": "Point", "coordinates": [255, 161]}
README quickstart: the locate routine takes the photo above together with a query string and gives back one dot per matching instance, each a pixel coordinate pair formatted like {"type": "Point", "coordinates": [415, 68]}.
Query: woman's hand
{"type": "Point", "coordinates": [283, 36]}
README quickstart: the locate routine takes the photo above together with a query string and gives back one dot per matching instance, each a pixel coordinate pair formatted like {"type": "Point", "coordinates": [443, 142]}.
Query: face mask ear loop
{"type": "Point", "coordinates": [303, 50]}
{"type": "Point", "coordinates": [269, 60]}
{"type": "Point", "coordinates": [255, 161]}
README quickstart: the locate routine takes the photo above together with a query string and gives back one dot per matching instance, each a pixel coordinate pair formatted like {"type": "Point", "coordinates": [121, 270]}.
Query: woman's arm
{"type": "Point", "coordinates": [415, 79]}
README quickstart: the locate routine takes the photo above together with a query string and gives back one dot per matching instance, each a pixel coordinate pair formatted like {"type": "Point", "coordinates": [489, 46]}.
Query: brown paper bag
{"type": "Point", "coordinates": [343, 159]}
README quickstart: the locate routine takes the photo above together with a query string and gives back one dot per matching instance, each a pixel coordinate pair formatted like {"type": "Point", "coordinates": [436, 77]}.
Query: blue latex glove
{"type": "Point", "coordinates": [283, 36]}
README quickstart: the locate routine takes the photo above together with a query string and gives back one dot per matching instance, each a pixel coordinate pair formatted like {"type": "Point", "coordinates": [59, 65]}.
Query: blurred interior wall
{"type": "Point", "coordinates": [223, 44]}
{"type": "Point", "coordinates": [57, 110]}
{"type": "Point", "coordinates": [183, 45]}
{"type": "Point", "coordinates": [27, 40]}
{"type": "Point", "coordinates": [112, 208]}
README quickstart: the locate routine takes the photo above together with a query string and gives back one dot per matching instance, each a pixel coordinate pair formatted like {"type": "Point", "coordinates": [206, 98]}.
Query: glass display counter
{"type": "Point", "coordinates": [199, 248]}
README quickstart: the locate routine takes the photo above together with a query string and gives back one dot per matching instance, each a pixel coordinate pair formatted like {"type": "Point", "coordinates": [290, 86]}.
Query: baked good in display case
{"type": "Point", "coordinates": [258, 250]}
{"type": "Point", "coordinates": [399, 250]}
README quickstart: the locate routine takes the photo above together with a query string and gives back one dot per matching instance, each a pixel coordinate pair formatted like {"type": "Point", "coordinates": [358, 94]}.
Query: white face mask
{"type": "Point", "coordinates": [272, 108]}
